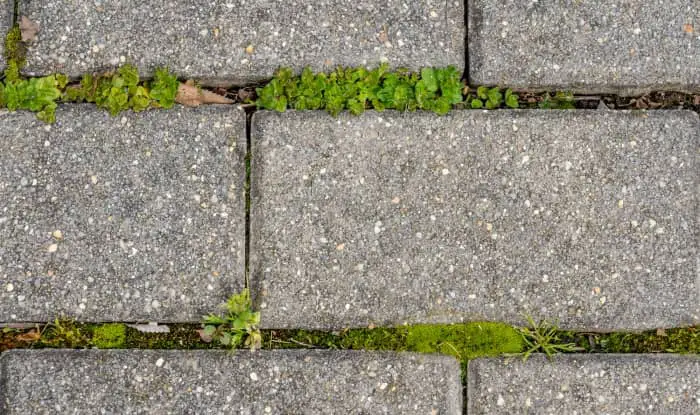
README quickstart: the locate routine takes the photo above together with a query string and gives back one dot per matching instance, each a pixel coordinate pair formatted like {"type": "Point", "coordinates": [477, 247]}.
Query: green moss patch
{"type": "Point", "coordinates": [15, 52]}
{"type": "Point", "coordinates": [109, 336]}
{"type": "Point", "coordinates": [465, 341]}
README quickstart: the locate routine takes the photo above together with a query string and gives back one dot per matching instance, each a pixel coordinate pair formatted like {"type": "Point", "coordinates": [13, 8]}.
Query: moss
{"type": "Point", "coordinates": [465, 341]}
{"type": "Point", "coordinates": [109, 336]}
{"type": "Point", "coordinates": [15, 52]}
{"type": "Point", "coordinates": [685, 340]}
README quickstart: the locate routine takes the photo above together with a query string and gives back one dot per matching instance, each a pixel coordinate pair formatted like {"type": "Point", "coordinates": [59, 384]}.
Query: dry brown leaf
{"type": "Point", "coordinates": [28, 28]}
{"type": "Point", "coordinates": [696, 100]}
{"type": "Point", "coordinates": [191, 96]}
{"type": "Point", "coordinates": [30, 336]}
{"type": "Point", "coordinates": [688, 28]}
{"type": "Point", "coordinates": [204, 337]}
{"type": "Point", "coordinates": [661, 332]}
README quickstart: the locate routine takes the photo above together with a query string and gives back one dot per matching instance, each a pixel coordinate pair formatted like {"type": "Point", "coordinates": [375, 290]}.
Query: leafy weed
{"type": "Point", "coordinates": [239, 325]}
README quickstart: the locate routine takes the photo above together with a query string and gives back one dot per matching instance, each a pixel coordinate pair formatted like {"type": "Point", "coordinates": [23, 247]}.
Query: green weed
{"type": "Point", "coordinates": [544, 337]}
{"type": "Point", "coordinates": [239, 325]}
{"type": "Point", "coordinates": [115, 92]}
{"type": "Point", "coordinates": [358, 89]}
{"type": "Point", "coordinates": [492, 98]}
{"type": "Point", "coordinates": [558, 101]}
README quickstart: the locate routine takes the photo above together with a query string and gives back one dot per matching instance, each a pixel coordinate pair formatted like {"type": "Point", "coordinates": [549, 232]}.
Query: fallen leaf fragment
{"type": "Point", "coordinates": [696, 100]}
{"type": "Point", "coordinates": [688, 28]}
{"type": "Point", "coordinates": [191, 96]}
{"type": "Point", "coordinates": [205, 338]}
{"type": "Point", "coordinates": [28, 28]}
{"type": "Point", "coordinates": [30, 336]}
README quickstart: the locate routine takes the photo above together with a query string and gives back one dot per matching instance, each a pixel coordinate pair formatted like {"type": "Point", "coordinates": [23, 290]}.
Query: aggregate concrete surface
{"type": "Point", "coordinates": [224, 42]}
{"type": "Point", "coordinates": [585, 384]}
{"type": "Point", "coordinates": [613, 46]}
{"type": "Point", "coordinates": [218, 382]}
{"type": "Point", "coordinates": [588, 217]}
{"type": "Point", "coordinates": [128, 218]}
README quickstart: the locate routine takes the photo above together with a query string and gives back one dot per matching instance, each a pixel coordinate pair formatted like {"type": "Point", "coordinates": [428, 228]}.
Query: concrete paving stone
{"type": "Point", "coordinates": [6, 15]}
{"type": "Point", "coordinates": [224, 42]}
{"type": "Point", "coordinates": [615, 46]}
{"type": "Point", "coordinates": [585, 384]}
{"type": "Point", "coordinates": [218, 382]}
{"type": "Point", "coordinates": [138, 217]}
{"type": "Point", "coordinates": [588, 217]}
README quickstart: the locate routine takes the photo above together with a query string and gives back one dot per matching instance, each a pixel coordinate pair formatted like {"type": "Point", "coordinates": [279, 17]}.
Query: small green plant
{"type": "Point", "coordinates": [109, 336]}
{"type": "Point", "coordinates": [492, 98]}
{"type": "Point", "coordinates": [34, 94]}
{"type": "Point", "coordinates": [115, 92]}
{"type": "Point", "coordinates": [560, 101]}
{"type": "Point", "coordinates": [63, 333]}
{"type": "Point", "coordinates": [164, 88]}
{"type": "Point", "coordinates": [544, 337]}
{"type": "Point", "coordinates": [239, 325]}
{"type": "Point", "coordinates": [358, 89]}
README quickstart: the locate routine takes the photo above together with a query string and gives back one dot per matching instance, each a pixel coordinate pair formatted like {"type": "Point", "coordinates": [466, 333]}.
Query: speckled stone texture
{"type": "Point", "coordinates": [218, 382]}
{"type": "Point", "coordinates": [613, 46]}
{"type": "Point", "coordinates": [588, 217]}
{"type": "Point", "coordinates": [135, 217]}
{"type": "Point", "coordinates": [585, 384]}
{"type": "Point", "coordinates": [233, 41]}
{"type": "Point", "coordinates": [6, 13]}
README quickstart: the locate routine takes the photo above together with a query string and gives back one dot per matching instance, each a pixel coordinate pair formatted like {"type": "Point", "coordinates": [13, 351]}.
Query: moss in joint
{"type": "Point", "coordinates": [15, 53]}
{"type": "Point", "coordinates": [109, 336]}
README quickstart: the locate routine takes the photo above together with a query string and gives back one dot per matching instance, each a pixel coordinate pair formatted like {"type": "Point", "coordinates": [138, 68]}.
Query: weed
{"type": "Point", "coordinates": [64, 333]}
{"type": "Point", "coordinates": [492, 98]}
{"type": "Point", "coordinates": [560, 101]}
{"type": "Point", "coordinates": [109, 336]}
{"type": "Point", "coordinates": [358, 89]}
{"type": "Point", "coordinates": [34, 94]}
{"type": "Point", "coordinates": [239, 326]}
{"type": "Point", "coordinates": [115, 92]}
{"type": "Point", "coordinates": [544, 338]}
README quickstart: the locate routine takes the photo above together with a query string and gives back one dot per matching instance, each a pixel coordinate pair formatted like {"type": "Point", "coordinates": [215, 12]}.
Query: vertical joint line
{"type": "Point", "coordinates": [248, 156]}
{"type": "Point", "coordinates": [465, 76]}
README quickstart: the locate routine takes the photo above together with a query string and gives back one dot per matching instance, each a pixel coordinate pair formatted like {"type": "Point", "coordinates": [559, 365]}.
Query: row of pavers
{"type": "Point", "coordinates": [320, 382]}
{"type": "Point", "coordinates": [586, 217]}
{"type": "Point", "coordinates": [380, 219]}
{"type": "Point", "coordinates": [615, 46]}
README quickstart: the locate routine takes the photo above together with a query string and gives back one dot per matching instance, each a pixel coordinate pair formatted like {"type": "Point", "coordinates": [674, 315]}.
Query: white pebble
{"type": "Point", "coordinates": [160, 362]}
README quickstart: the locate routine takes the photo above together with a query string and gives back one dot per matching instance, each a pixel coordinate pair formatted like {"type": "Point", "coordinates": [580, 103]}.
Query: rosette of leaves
{"type": "Point", "coordinates": [238, 326]}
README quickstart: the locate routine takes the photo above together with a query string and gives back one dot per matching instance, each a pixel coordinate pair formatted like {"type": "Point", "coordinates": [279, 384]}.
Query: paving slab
{"type": "Point", "coordinates": [223, 42]}
{"type": "Point", "coordinates": [588, 217]}
{"type": "Point", "coordinates": [218, 382]}
{"type": "Point", "coordinates": [129, 218]}
{"type": "Point", "coordinates": [6, 16]}
{"type": "Point", "coordinates": [585, 384]}
{"type": "Point", "coordinates": [615, 46]}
